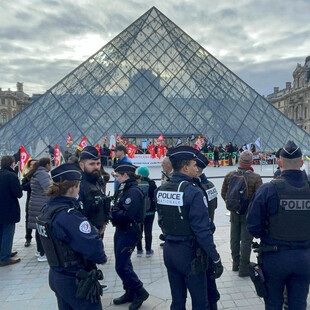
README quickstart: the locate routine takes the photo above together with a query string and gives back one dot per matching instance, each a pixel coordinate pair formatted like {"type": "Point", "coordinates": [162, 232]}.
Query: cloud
{"type": "Point", "coordinates": [43, 40]}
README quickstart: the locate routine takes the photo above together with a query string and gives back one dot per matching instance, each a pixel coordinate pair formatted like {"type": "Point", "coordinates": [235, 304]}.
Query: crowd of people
{"type": "Point", "coordinates": [69, 208]}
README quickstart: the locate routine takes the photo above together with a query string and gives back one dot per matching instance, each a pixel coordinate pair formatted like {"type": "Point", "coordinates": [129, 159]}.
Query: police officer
{"type": "Point", "coordinates": [96, 206]}
{"type": "Point", "coordinates": [207, 186]}
{"type": "Point", "coordinates": [72, 245]}
{"type": "Point", "coordinates": [210, 193]}
{"type": "Point", "coordinates": [127, 215]}
{"type": "Point", "coordinates": [184, 220]}
{"type": "Point", "coordinates": [279, 215]}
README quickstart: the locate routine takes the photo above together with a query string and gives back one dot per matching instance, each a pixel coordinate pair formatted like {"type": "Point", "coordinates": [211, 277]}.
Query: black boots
{"type": "Point", "coordinates": [140, 296]}
{"type": "Point", "coordinates": [127, 297]}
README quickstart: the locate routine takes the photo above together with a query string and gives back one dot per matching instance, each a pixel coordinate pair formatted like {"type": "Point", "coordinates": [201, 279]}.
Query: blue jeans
{"type": "Point", "coordinates": [6, 241]}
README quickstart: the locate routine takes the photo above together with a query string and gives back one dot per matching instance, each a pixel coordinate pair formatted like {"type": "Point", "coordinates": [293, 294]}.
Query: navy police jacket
{"type": "Point", "coordinates": [198, 216]}
{"type": "Point", "coordinates": [266, 202]}
{"type": "Point", "coordinates": [73, 228]}
{"type": "Point", "coordinates": [128, 206]}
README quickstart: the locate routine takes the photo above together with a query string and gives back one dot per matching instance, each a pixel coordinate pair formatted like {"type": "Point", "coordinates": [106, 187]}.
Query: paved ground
{"type": "Point", "coordinates": [24, 286]}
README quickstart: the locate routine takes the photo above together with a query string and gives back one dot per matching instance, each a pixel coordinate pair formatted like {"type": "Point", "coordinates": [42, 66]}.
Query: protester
{"type": "Point", "coordinates": [240, 238]}
{"type": "Point", "coordinates": [120, 157]}
{"type": "Point", "coordinates": [148, 187]}
{"type": "Point", "coordinates": [40, 181]}
{"type": "Point", "coordinates": [26, 187]}
{"type": "Point", "coordinates": [10, 191]}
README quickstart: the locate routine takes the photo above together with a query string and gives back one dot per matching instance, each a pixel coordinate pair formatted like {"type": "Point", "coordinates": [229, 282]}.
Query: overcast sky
{"type": "Point", "coordinates": [262, 41]}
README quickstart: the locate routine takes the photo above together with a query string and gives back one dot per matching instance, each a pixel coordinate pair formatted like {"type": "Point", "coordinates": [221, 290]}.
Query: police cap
{"type": "Point", "coordinates": [89, 152]}
{"type": "Point", "coordinates": [183, 153]}
{"type": "Point", "coordinates": [290, 150]}
{"type": "Point", "coordinates": [125, 167]}
{"type": "Point", "coordinates": [202, 161]}
{"type": "Point", "coordinates": [66, 172]}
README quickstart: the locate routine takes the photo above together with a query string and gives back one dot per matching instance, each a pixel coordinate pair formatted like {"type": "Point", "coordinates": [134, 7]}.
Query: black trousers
{"type": "Point", "coordinates": [147, 227]}
{"type": "Point", "coordinates": [65, 288]}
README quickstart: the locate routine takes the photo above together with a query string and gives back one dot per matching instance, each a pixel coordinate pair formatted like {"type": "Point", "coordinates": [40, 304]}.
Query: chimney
{"type": "Point", "coordinates": [19, 86]}
{"type": "Point", "coordinates": [288, 85]}
{"type": "Point", "coordinates": [275, 90]}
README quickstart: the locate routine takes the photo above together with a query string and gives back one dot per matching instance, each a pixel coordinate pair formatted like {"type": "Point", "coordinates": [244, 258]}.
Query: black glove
{"type": "Point", "coordinates": [218, 270]}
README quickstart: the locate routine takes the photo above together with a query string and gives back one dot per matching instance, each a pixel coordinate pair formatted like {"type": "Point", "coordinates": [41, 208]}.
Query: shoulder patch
{"type": "Point", "coordinates": [85, 227]}
{"type": "Point", "coordinates": [128, 201]}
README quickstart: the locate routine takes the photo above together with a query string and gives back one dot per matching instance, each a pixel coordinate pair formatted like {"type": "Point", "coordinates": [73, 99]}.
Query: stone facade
{"type": "Point", "coordinates": [294, 101]}
{"type": "Point", "coordinates": [12, 102]}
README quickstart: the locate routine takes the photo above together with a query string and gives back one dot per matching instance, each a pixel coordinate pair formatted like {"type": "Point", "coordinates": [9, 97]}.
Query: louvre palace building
{"type": "Point", "coordinates": [294, 101]}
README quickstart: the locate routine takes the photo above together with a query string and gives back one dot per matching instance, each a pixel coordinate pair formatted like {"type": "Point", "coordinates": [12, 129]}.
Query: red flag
{"type": "Point", "coordinates": [105, 138]}
{"type": "Point", "coordinates": [57, 155]}
{"type": "Point", "coordinates": [112, 154]}
{"type": "Point", "coordinates": [131, 150]}
{"type": "Point", "coordinates": [98, 149]}
{"type": "Point", "coordinates": [160, 138]}
{"type": "Point", "coordinates": [159, 151]}
{"type": "Point", "coordinates": [69, 140]}
{"type": "Point", "coordinates": [198, 144]}
{"type": "Point", "coordinates": [24, 158]}
{"type": "Point", "coordinates": [119, 139]}
{"type": "Point", "coordinates": [151, 149]}
{"type": "Point", "coordinates": [164, 150]}
{"type": "Point", "coordinates": [125, 142]}
{"type": "Point", "coordinates": [82, 144]}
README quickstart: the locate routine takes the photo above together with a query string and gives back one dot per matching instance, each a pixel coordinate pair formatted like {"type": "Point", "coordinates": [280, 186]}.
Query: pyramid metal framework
{"type": "Point", "coordinates": [151, 79]}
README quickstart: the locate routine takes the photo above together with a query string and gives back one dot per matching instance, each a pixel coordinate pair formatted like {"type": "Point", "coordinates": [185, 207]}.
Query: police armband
{"type": "Point", "coordinates": [258, 279]}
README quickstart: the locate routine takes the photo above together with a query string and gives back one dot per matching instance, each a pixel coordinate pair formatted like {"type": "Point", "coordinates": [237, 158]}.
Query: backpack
{"type": "Point", "coordinates": [145, 186]}
{"type": "Point", "coordinates": [237, 194]}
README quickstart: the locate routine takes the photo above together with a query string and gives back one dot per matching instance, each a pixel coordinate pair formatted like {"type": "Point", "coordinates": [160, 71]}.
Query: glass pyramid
{"type": "Point", "coordinates": [151, 79]}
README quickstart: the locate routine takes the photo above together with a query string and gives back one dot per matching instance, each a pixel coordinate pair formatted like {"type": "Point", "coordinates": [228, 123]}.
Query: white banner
{"type": "Point", "coordinates": [146, 160]}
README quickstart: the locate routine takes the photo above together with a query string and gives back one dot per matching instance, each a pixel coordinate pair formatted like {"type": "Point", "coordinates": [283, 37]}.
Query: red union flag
{"type": "Point", "coordinates": [105, 138]}
{"type": "Point", "coordinates": [131, 150]}
{"type": "Point", "coordinates": [24, 158]}
{"type": "Point", "coordinates": [151, 149]}
{"type": "Point", "coordinates": [198, 144]}
{"type": "Point", "coordinates": [82, 144]}
{"type": "Point", "coordinates": [112, 154]}
{"type": "Point", "coordinates": [159, 151]}
{"type": "Point", "coordinates": [57, 155]}
{"type": "Point", "coordinates": [119, 139]}
{"type": "Point", "coordinates": [69, 140]}
{"type": "Point", "coordinates": [160, 138]}
{"type": "Point", "coordinates": [98, 148]}
{"type": "Point", "coordinates": [164, 150]}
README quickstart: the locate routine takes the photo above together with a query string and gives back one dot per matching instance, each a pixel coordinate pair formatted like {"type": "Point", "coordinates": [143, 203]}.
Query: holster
{"type": "Point", "coordinates": [258, 279]}
{"type": "Point", "coordinates": [88, 286]}
{"type": "Point", "coordinates": [199, 263]}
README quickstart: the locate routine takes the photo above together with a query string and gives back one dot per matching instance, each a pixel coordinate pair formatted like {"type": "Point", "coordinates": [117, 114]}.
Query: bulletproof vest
{"type": "Point", "coordinates": [211, 194]}
{"type": "Point", "coordinates": [95, 205]}
{"type": "Point", "coordinates": [291, 222]}
{"type": "Point", "coordinates": [172, 214]}
{"type": "Point", "coordinates": [58, 252]}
